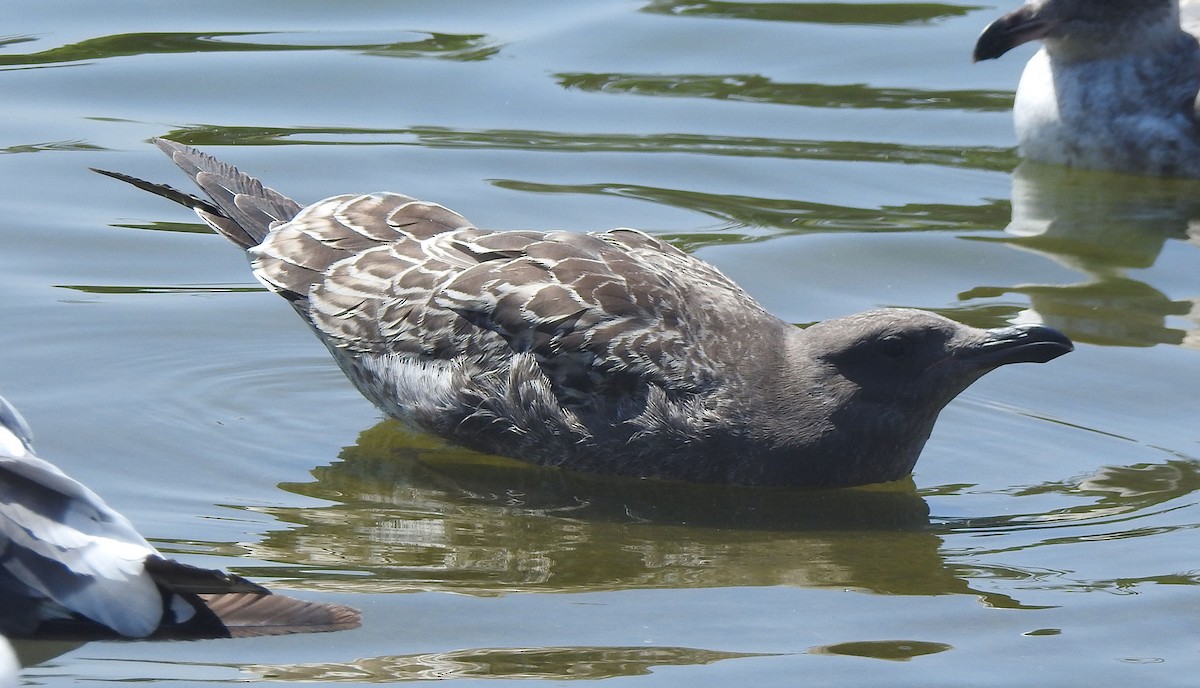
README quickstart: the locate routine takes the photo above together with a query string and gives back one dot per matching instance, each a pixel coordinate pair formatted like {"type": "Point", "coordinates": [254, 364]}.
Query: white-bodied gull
{"type": "Point", "coordinates": [1114, 86]}
{"type": "Point", "coordinates": [71, 566]}
{"type": "Point", "coordinates": [8, 665]}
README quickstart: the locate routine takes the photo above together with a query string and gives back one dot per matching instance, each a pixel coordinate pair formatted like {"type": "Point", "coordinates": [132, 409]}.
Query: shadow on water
{"type": "Point", "coordinates": [1102, 225]}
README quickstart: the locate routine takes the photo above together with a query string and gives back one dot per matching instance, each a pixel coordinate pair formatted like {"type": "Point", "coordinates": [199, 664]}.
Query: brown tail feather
{"type": "Point", "coordinates": [241, 198]}
{"type": "Point", "coordinates": [231, 605]}
{"type": "Point", "coordinates": [210, 213]}
{"type": "Point", "coordinates": [247, 614]}
{"type": "Point", "coordinates": [239, 207]}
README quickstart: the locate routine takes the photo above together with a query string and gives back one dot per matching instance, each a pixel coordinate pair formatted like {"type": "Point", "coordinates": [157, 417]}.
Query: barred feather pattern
{"type": "Point", "coordinates": [611, 352]}
{"type": "Point", "coordinates": [545, 340]}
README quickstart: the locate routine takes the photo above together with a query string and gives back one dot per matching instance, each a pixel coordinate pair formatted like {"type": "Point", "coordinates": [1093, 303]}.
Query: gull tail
{"type": "Point", "coordinates": [238, 207]}
{"type": "Point", "coordinates": [206, 603]}
{"type": "Point", "coordinates": [218, 604]}
{"type": "Point", "coordinates": [247, 614]}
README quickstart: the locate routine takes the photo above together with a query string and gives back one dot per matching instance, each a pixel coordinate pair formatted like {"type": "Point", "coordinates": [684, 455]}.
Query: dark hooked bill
{"type": "Point", "coordinates": [1021, 344]}
{"type": "Point", "coordinates": [1019, 26]}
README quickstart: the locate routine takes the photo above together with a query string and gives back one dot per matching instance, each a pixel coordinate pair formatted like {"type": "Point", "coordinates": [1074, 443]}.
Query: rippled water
{"type": "Point", "coordinates": [831, 157]}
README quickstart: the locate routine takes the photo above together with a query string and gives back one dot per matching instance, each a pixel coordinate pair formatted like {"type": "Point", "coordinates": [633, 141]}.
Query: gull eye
{"type": "Point", "coordinates": [893, 346]}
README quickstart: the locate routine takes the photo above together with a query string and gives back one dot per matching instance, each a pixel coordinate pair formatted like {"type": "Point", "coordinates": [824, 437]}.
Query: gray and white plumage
{"type": "Point", "coordinates": [72, 566]}
{"type": "Point", "coordinates": [9, 667]}
{"type": "Point", "coordinates": [1114, 86]}
{"type": "Point", "coordinates": [610, 353]}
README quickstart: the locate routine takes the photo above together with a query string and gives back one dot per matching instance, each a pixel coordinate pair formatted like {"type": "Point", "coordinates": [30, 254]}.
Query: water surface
{"type": "Point", "coordinates": [831, 157]}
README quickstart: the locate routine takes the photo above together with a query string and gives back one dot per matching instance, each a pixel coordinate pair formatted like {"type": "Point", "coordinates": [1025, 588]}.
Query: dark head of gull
{"type": "Point", "coordinates": [609, 353]}
{"type": "Point", "coordinates": [72, 567]}
{"type": "Point", "coordinates": [874, 384]}
{"type": "Point", "coordinates": [1082, 29]}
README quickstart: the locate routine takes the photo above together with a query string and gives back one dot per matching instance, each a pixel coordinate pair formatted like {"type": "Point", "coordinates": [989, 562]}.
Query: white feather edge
{"type": "Point", "coordinates": [8, 665]}
{"type": "Point", "coordinates": [95, 542]}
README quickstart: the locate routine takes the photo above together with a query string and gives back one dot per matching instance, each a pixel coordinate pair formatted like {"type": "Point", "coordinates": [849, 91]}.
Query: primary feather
{"type": "Point", "coordinates": [72, 565]}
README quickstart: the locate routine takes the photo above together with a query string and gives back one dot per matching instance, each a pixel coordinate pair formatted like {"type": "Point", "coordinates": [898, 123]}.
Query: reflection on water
{"type": "Point", "coordinates": [159, 289]}
{"type": "Point", "coordinates": [758, 88]}
{"type": "Point", "coordinates": [50, 146]}
{"type": "Point", "coordinates": [894, 650]}
{"type": "Point", "coordinates": [894, 13]}
{"type": "Point", "coordinates": [34, 652]}
{"type": "Point", "coordinates": [409, 513]}
{"type": "Point", "coordinates": [967, 157]}
{"type": "Point", "coordinates": [1116, 503]}
{"type": "Point", "coordinates": [445, 46]}
{"type": "Point", "coordinates": [792, 215]}
{"type": "Point", "coordinates": [1114, 495]}
{"type": "Point", "coordinates": [414, 514]}
{"type": "Point", "coordinates": [554, 663]}
{"type": "Point", "coordinates": [1103, 225]}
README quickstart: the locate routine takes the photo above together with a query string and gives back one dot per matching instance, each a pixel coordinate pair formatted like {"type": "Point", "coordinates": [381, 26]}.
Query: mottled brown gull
{"type": "Point", "coordinates": [1114, 86]}
{"type": "Point", "coordinates": [71, 566]}
{"type": "Point", "coordinates": [610, 353]}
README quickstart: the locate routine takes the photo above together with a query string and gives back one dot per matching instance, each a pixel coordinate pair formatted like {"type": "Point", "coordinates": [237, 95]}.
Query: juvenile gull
{"type": "Point", "coordinates": [1114, 86]}
{"type": "Point", "coordinates": [610, 353]}
{"type": "Point", "coordinates": [71, 566]}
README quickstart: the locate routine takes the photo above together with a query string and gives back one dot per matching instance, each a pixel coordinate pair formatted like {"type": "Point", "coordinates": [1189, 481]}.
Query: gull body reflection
{"type": "Point", "coordinates": [1104, 226]}
{"type": "Point", "coordinates": [415, 514]}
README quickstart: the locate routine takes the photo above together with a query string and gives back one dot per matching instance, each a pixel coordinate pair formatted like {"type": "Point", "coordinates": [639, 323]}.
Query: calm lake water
{"type": "Point", "coordinates": [831, 157]}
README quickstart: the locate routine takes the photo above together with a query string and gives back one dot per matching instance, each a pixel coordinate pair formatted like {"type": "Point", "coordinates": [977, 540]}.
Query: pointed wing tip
{"type": "Point", "coordinates": [247, 615]}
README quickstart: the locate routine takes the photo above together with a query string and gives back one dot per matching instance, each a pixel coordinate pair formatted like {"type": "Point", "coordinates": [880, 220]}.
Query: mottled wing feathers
{"type": "Point", "coordinates": [386, 274]}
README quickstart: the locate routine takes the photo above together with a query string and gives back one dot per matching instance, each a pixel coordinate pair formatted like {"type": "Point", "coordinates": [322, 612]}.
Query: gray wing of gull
{"type": "Point", "coordinates": [60, 542]}
{"type": "Point", "coordinates": [385, 274]}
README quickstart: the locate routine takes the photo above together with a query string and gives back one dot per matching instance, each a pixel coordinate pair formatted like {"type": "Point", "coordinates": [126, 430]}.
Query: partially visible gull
{"type": "Point", "coordinates": [71, 566]}
{"type": "Point", "coordinates": [610, 353]}
{"type": "Point", "coordinates": [8, 665]}
{"type": "Point", "coordinates": [1114, 86]}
